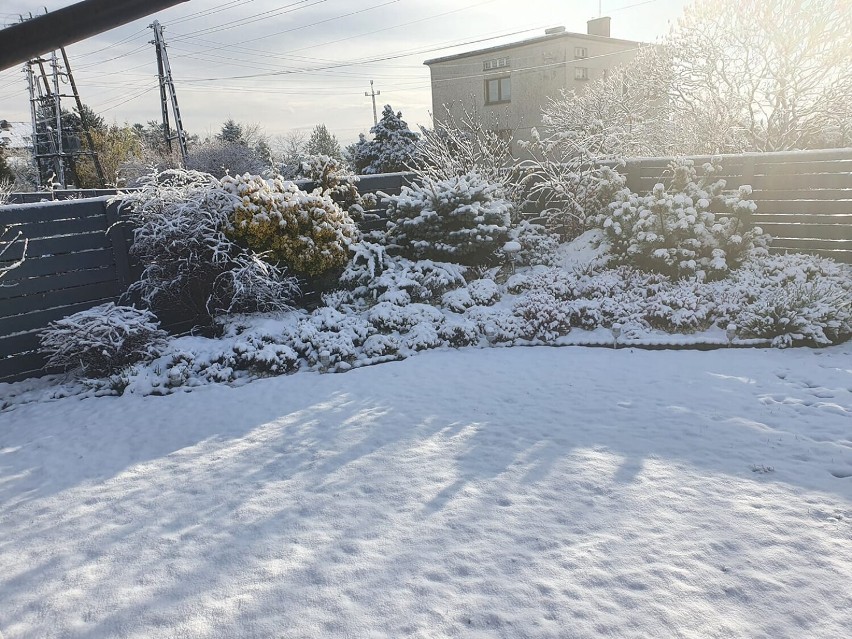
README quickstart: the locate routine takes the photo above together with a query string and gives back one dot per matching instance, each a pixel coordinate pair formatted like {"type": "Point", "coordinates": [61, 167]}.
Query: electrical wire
{"type": "Point", "coordinates": [265, 15]}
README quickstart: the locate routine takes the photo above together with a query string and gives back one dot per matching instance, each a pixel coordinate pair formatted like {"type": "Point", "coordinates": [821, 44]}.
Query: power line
{"type": "Point", "coordinates": [358, 62]}
{"type": "Point", "coordinates": [205, 12]}
{"type": "Point", "coordinates": [304, 26]}
{"type": "Point", "coordinates": [293, 7]}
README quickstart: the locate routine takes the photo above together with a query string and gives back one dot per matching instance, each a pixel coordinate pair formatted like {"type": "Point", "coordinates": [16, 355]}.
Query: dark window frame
{"type": "Point", "coordinates": [500, 99]}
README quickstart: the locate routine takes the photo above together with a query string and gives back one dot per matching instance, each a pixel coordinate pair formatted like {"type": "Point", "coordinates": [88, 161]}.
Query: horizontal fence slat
{"type": "Point", "coordinates": [800, 218]}
{"type": "Point", "coordinates": [21, 366]}
{"type": "Point", "coordinates": [793, 194]}
{"type": "Point", "coordinates": [805, 244]}
{"type": "Point", "coordinates": [805, 207]}
{"type": "Point", "coordinates": [809, 231]}
{"type": "Point", "coordinates": [798, 168]}
{"type": "Point", "coordinates": [780, 157]}
{"type": "Point", "coordinates": [657, 170]}
{"type": "Point", "coordinates": [41, 266]}
{"type": "Point", "coordinates": [40, 319]}
{"type": "Point", "coordinates": [33, 230]}
{"type": "Point", "coordinates": [57, 282]}
{"type": "Point", "coordinates": [21, 343]}
{"type": "Point", "coordinates": [811, 181]}
{"type": "Point", "coordinates": [63, 297]}
{"type": "Point", "coordinates": [67, 244]}
{"type": "Point", "coordinates": [51, 211]}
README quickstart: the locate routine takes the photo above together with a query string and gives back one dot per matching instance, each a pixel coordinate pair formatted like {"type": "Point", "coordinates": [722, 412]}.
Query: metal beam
{"type": "Point", "coordinates": [62, 27]}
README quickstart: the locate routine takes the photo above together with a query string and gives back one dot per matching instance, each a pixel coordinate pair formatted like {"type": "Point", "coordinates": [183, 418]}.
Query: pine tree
{"type": "Point", "coordinates": [322, 142]}
{"type": "Point", "coordinates": [231, 132]}
{"type": "Point", "coordinates": [393, 147]}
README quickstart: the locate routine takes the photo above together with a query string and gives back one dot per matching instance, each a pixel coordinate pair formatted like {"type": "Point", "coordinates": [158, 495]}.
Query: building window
{"type": "Point", "coordinates": [495, 63]}
{"type": "Point", "coordinates": [581, 52]}
{"type": "Point", "coordinates": [581, 73]}
{"type": "Point", "coordinates": [498, 90]}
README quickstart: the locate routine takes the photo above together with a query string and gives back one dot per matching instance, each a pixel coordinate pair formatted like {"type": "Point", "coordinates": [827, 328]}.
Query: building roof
{"type": "Point", "coordinates": [15, 135]}
{"type": "Point", "coordinates": [535, 40]}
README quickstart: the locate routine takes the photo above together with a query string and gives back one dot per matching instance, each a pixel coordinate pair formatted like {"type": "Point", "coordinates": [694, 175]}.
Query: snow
{"type": "Point", "coordinates": [507, 492]}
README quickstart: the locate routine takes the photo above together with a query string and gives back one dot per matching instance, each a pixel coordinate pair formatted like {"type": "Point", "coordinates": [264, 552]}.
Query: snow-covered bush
{"type": "Point", "coordinates": [544, 315]}
{"type": "Point", "coordinates": [191, 269]}
{"type": "Point", "coordinates": [565, 180]}
{"type": "Point", "coordinates": [220, 158]}
{"type": "Point", "coordinates": [690, 229]}
{"type": "Point", "coordinates": [537, 245]}
{"type": "Point", "coordinates": [264, 356]}
{"type": "Point", "coordinates": [459, 332]}
{"type": "Point", "coordinates": [813, 313]}
{"type": "Point", "coordinates": [463, 219]}
{"type": "Point", "coordinates": [484, 292]}
{"type": "Point", "coordinates": [388, 317]}
{"type": "Point", "coordinates": [101, 340]}
{"type": "Point", "coordinates": [307, 232]}
{"type": "Point", "coordinates": [250, 285]}
{"type": "Point", "coordinates": [380, 345]}
{"type": "Point", "coordinates": [373, 274]}
{"type": "Point", "coordinates": [794, 299]}
{"type": "Point", "coordinates": [681, 307]}
{"type": "Point", "coordinates": [393, 147]}
{"type": "Point", "coordinates": [465, 141]}
{"type": "Point", "coordinates": [332, 178]}
{"type": "Point", "coordinates": [499, 325]}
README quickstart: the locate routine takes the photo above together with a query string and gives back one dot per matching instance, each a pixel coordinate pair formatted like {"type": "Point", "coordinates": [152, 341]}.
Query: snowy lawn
{"type": "Point", "coordinates": [524, 492]}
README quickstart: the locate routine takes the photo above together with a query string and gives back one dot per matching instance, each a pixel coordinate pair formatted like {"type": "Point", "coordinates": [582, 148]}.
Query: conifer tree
{"type": "Point", "coordinates": [322, 142]}
{"type": "Point", "coordinates": [393, 147]}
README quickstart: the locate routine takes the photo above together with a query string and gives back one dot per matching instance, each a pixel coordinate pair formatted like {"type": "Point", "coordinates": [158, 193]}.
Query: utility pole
{"type": "Point", "coordinates": [54, 65]}
{"type": "Point", "coordinates": [164, 72]}
{"type": "Point", "coordinates": [373, 95]}
{"type": "Point", "coordinates": [95, 159]}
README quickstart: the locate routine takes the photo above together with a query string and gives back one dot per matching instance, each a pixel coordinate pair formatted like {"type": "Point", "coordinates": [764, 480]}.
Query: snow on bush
{"type": "Point", "coordinates": [221, 157]}
{"type": "Point", "coordinates": [536, 245]}
{"type": "Point", "coordinates": [393, 147]}
{"type": "Point", "coordinates": [373, 274]}
{"type": "Point", "coordinates": [794, 299]}
{"type": "Point", "coordinates": [690, 229]}
{"type": "Point", "coordinates": [466, 141]}
{"type": "Point", "coordinates": [545, 316]}
{"type": "Point", "coordinates": [307, 232]}
{"type": "Point", "coordinates": [462, 219]}
{"type": "Point", "coordinates": [101, 340]}
{"type": "Point", "coordinates": [484, 292]}
{"type": "Point", "coordinates": [191, 268]}
{"type": "Point", "coordinates": [459, 331]}
{"type": "Point", "coordinates": [565, 179]}
{"type": "Point", "coordinates": [332, 178]}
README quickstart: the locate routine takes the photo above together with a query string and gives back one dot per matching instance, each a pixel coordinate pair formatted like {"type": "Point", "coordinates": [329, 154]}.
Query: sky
{"type": "Point", "coordinates": [292, 64]}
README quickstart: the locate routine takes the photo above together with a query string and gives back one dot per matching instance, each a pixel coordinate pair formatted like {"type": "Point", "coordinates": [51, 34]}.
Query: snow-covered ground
{"type": "Point", "coordinates": [518, 492]}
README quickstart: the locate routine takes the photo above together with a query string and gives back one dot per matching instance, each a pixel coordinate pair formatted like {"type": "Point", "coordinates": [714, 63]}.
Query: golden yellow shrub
{"type": "Point", "coordinates": [307, 232]}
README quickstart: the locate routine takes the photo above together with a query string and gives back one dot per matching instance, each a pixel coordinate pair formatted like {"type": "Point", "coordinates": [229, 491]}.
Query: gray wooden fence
{"type": "Point", "coordinates": [804, 198]}
{"type": "Point", "coordinates": [804, 201]}
{"type": "Point", "coordinates": [73, 264]}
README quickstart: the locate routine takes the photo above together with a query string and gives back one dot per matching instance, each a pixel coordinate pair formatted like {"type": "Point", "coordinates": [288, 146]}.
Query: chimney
{"type": "Point", "coordinates": [599, 26]}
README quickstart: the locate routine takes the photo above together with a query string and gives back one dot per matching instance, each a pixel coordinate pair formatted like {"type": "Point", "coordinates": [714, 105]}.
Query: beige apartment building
{"type": "Point", "coordinates": [512, 82]}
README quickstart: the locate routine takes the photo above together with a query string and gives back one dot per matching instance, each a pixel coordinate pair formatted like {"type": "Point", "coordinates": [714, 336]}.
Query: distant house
{"type": "Point", "coordinates": [513, 81]}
